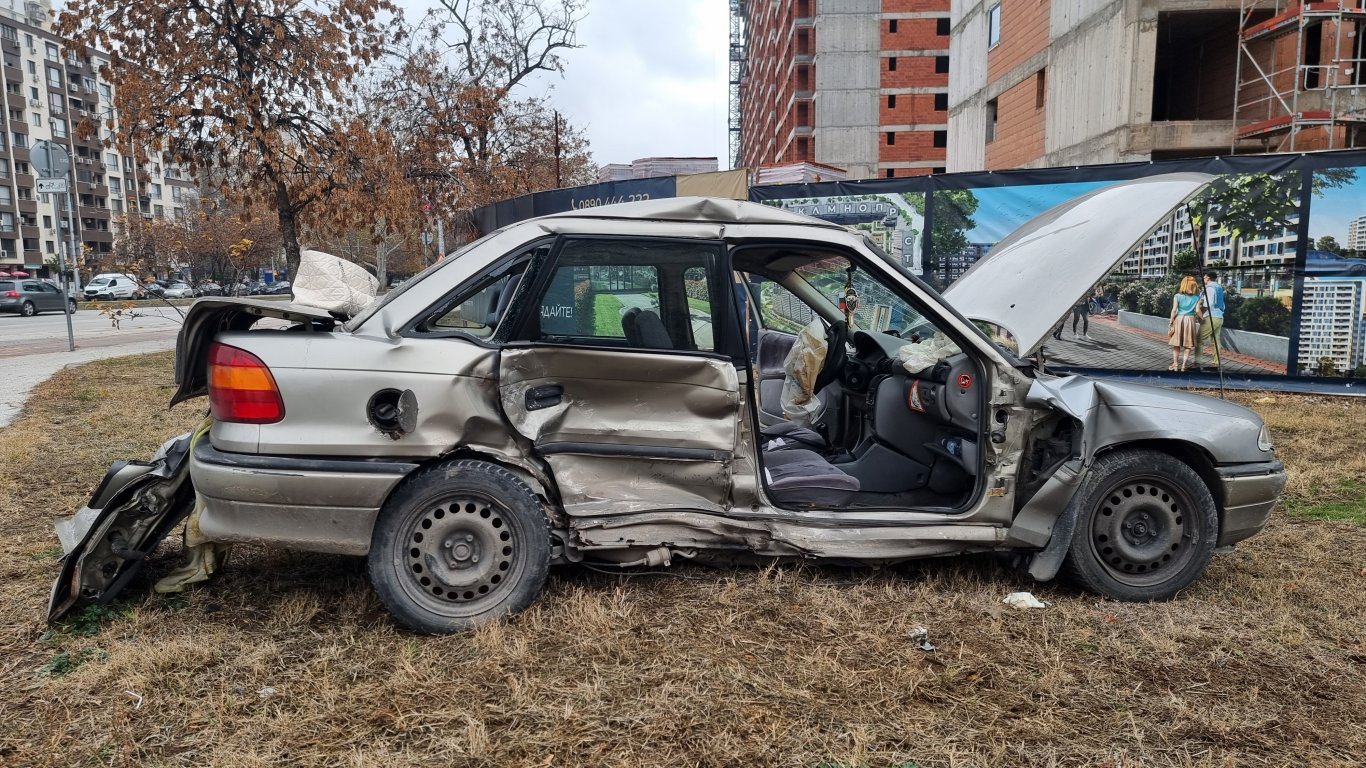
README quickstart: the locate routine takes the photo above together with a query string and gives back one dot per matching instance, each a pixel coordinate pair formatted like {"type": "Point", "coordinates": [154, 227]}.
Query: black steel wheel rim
{"type": "Point", "coordinates": [1143, 529]}
{"type": "Point", "coordinates": [459, 554]}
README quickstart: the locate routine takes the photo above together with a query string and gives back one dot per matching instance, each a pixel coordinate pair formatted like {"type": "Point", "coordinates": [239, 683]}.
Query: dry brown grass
{"type": "Point", "coordinates": [288, 658]}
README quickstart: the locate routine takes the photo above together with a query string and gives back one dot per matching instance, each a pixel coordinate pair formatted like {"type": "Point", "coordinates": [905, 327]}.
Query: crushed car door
{"type": "Point", "coordinates": [622, 374]}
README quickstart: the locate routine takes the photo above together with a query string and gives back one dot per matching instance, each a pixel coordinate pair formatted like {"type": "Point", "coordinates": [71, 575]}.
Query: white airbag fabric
{"type": "Point", "coordinates": [336, 285]}
{"type": "Point", "coordinates": [803, 364]}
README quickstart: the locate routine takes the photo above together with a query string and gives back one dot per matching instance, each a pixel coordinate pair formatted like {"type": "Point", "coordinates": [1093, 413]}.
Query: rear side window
{"type": "Point", "coordinates": [635, 293]}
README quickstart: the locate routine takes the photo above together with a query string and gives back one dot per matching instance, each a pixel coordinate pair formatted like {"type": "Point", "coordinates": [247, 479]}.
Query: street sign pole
{"type": "Point", "coordinates": [52, 164]}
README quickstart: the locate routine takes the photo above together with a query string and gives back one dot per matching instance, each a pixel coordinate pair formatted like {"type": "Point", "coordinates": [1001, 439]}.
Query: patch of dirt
{"type": "Point", "coordinates": [289, 659]}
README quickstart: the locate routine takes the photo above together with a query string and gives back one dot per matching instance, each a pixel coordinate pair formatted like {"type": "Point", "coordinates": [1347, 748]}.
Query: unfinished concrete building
{"type": "Point", "coordinates": [1070, 82]}
{"type": "Point", "coordinates": [857, 84]}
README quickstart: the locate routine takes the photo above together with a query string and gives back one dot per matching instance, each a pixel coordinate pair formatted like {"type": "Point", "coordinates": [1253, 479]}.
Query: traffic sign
{"type": "Point", "coordinates": [50, 185]}
{"type": "Point", "coordinates": [49, 159]}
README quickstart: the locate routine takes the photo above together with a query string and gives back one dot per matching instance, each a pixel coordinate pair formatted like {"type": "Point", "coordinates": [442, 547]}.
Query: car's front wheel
{"type": "Point", "coordinates": [459, 544]}
{"type": "Point", "coordinates": [71, 306]}
{"type": "Point", "coordinates": [1146, 527]}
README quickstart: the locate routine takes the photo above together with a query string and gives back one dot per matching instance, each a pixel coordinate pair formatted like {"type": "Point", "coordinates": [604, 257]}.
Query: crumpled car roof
{"type": "Point", "coordinates": [701, 209]}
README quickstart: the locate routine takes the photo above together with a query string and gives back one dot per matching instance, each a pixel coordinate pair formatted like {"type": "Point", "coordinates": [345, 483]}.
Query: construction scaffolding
{"type": "Point", "coordinates": [1299, 83]}
{"type": "Point", "coordinates": [737, 74]}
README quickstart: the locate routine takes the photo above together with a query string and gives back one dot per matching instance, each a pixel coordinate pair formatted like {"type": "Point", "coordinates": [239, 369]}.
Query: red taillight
{"type": "Point", "coordinates": [241, 388]}
{"type": "Point", "coordinates": [11, 294]}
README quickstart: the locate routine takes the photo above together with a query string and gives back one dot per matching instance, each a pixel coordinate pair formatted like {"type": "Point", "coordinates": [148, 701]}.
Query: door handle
{"type": "Point", "coordinates": [543, 396]}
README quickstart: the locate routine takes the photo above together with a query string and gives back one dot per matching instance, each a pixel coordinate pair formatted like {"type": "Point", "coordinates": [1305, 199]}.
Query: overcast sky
{"type": "Point", "coordinates": [648, 81]}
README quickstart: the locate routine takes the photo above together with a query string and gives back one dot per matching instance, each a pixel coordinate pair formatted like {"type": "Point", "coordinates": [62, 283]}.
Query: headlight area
{"type": "Point", "coordinates": [1264, 438]}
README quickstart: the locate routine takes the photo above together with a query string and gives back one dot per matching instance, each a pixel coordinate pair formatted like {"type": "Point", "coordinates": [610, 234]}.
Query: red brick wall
{"type": "Point", "coordinates": [910, 146]}
{"type": "Point", "coordinates": [911, 109]}
{"type": "Point", "coordinates": [913, 6]}
{"type": "Point", "coordinates": [1019, 127]}
{"type": "Point", "coordinates": [1024, 32]}
{"type": "Point", "coordinates": [916, 34]}
{"type": "Point", "coordinates": [913, 72]}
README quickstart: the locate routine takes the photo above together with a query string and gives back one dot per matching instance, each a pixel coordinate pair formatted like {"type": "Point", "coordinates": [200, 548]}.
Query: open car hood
{"type": "Point", "coordinates": [1029, 280]}
{"type": "Point", "coordinates": [208, 317]}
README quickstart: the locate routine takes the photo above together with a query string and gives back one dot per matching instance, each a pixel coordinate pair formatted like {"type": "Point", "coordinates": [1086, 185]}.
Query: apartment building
{"type": "Point", "coordinates": [650, 167]}
{"type": "Point", "coordinates": [51, 93]}
{"type": "Point", "coordinates": [861, 85]}
{"type": "Point", "coordinates": [1040, 83]}
{"type": "Point", "coordinates": [1356, 234]}
{"type": "Point", "coordinates": [1333, 324]}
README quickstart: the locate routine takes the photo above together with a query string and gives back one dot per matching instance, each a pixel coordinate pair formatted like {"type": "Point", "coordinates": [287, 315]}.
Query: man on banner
{"type": "Point", "coordinates": [1211, 318]}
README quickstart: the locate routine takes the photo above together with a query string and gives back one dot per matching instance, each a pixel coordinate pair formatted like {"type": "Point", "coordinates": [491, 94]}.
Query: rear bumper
{"type": "Point", "coordinates": [1250, 493]}
{"type": "Point", "coordinates": [321, 505]}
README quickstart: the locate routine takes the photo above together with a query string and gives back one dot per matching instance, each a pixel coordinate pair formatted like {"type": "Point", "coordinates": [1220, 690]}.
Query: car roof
{"type": "Point", "coordinates": [695, 209]}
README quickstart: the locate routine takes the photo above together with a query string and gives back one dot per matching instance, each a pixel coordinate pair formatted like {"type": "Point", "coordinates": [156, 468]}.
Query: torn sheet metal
{"type": "Point", "coordinates": [1112, 412]}
{"type": "Point", "coordinates": [131, 521]}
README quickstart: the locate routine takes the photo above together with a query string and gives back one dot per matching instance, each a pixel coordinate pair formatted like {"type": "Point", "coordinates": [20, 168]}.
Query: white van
{"type": "Point", "coordinates": [105, 287]}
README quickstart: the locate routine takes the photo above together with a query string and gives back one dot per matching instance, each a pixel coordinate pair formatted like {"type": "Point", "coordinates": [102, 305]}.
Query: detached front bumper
{"type": "Point", "coordinates": [1250, 493]}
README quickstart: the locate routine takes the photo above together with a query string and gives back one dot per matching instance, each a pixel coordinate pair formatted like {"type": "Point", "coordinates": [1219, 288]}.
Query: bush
{"type": "Point", "coordinates": [1232, 301]}
{"type": "Point", "coordinates": [1263, 314]}
{"type": "Point", "coordinates": [1129, 296]}
{"type": "Point", "coordinates": [1162, 300]}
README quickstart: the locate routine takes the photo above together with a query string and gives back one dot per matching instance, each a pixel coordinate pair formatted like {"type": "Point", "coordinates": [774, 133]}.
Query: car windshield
{"type": "Point", "coordinates": [408, 284]}
{"type": "Point", "coordinates": [99, 281]}
{"type": "Point", "coordinates": [997, 335]}
{"type": "Point", "coordinates": [6, 285]}
{"type": "Point", "coordinates": [876, 308]}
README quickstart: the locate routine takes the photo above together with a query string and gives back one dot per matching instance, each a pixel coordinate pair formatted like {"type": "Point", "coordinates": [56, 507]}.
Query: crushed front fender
{"type": "Point", "coordinates": [131, 511]}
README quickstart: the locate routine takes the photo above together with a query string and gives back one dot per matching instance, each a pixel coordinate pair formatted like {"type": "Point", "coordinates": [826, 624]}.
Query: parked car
{"type": "Point", "coordinates": [278, 288]}
{"type": "Point", "coordinates": [28, 297]}
{"type": "Point", "coordinates": [1329, 264]}
{"type": "Point", "coordinates": [208, 288]}
{"type": "Point", "coordinates": [176, 289]}
{"type": "Point", "coordinates": [108, 287]}
{"type": "Point", "coordinates": [529, 404]}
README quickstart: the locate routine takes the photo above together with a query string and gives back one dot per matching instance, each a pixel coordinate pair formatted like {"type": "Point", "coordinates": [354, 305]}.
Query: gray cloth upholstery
{"type": "Point", "coordinates": [644, 329]}
{"type": "Point", "coordinates": [788, 435]}
{"type": "Point", "coordinates": [803, 478]}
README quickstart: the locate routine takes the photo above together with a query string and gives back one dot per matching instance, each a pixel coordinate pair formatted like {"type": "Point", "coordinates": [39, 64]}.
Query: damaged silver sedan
{"type": "Point", "coordinates": [688, 379]}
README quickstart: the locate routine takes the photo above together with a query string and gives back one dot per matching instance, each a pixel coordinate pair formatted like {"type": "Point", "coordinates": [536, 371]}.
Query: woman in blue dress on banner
{"type": "Point", "coordinates": [1184, 327]}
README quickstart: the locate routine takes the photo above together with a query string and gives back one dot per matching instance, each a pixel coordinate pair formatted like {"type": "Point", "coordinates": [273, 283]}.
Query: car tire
{"type": "Point", "coordinates": [27, 309]}
{"type": "Point", "coordinates": [71, 306]}
{"type": "Point", "coordinates": [1146, 527]}
{"type": "Point", "coordinates": [457, 545]}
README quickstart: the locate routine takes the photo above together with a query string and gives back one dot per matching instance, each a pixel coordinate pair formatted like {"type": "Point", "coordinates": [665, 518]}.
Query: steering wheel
{"type": "Point", "coordinates": [836, 354]}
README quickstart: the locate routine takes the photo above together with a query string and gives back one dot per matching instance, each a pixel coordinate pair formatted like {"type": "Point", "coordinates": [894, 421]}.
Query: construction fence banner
{"type": "Point", "coordinates": [1289, 258]}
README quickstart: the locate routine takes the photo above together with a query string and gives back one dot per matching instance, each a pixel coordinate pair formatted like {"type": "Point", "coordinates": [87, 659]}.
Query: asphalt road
{"type": "Point", "coordinates": [46, 332]}
{"type": "Point", "coordinates": [34, 348]}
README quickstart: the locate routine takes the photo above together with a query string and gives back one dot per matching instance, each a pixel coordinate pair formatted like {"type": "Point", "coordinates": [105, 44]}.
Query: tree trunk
{"type": "Point", "coordinates": [288, 231]}
{"type": "Point", "coordinates": [382, 266]}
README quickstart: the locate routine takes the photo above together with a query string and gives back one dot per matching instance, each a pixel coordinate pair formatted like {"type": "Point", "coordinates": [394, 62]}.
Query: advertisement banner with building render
{"type": "Point", "coordinates": [1278, 241]}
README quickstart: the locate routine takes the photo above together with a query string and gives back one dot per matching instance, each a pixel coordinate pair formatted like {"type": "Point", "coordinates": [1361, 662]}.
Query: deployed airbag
{"type": "Point", "coordinates": [333, 284]}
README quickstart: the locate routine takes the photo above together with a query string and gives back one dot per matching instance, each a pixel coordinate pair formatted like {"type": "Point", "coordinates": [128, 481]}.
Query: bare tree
{"type": "Point", "coordinates": [257, 86]}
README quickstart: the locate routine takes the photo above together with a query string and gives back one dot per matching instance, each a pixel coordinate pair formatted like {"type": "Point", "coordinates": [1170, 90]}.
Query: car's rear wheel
{"type": "Point", "coordinates": [27, 309]}
{"type": "Point", "coordinates": [1146, 527]}
{"type": "Point", "coordinates": [457, 545]}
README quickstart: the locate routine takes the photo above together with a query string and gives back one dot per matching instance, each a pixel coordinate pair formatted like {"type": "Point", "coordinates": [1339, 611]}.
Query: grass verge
{"type": "Point", "coordinates": [607, 310]}
{"type": "Point", "coordinates": [287, 658]}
